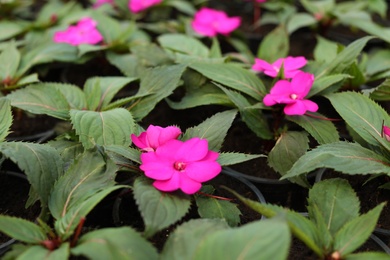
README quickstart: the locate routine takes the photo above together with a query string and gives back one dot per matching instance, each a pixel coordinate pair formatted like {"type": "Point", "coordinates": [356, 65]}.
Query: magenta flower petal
{"type": "Point", "coordinates": [291, 66]}
{"type": "Point", "coordinates": [171, 184]}
{"type": "Point", "coordinates": [203, 171]}
{"type": "Point", "coordinates": [301, 84]}
{"type": "Point", "coordinates": [192, 150]}
{"type": "Point", "coordinates": [189, 186]}
{"type": "Point", "coordinates": [386, 132]}
{"type": "Point", "coordinates": [137, 6]}
{"type": "Point", "coordinates": [261, 65]}
{"type": "Point", "coordinates": [229, 25]}
{"type": "Point", "coordinates": [294, 63]}
{"type": "Point", "coordinates": [155, 136]}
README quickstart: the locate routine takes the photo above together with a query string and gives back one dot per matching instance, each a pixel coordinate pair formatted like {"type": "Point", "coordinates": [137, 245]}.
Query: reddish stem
{"type": "Point", "coordinates": [78, 232]}
{"type": "Point", "coordinates": [213, 196]}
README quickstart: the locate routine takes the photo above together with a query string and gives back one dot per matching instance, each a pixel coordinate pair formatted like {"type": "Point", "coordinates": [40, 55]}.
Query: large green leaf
{"type": "Point", "coordinates": [362, 114]}
{"type": "Point", "coordinates": [38, 252]}
{"type": "Point", "coordinates": [115, 243]}
{"type": "Point", "coordinates": [5, 118]}
{"type": "Point", "coordinates": [188, 45]}
{"type": "Point", "coordinates": [72, 93]}
{"type": "Point", "coordinates": [300, 226]}
{"type": "Point", "coordinates": [21, 229]}
{"type": "Point", "coordinates": [41, 163]}
{"type": "Point", "coordinates": [182, 244]}
{"type": "Point", "coordinates": [10, 29]}
{"type": "Point", "coordinates": [354, 233]}
{"type": "Point", "coordinates": [288, 148]}
{"type": "Point", "coordinates": [156, 84]}
{"type": "Point", "coordinates": [158, 209]}
{"type": "Point", "coordinates": [318, 126]}
{"type": "Point", "coordinates": [213, 129]}
{"type": "Point", "coordinates": [349, 158]}
{"type": "Point", "coordinates": [298, 21]}
{"type": "Point", "coordinates": [336, 201]}
{"type": "Point", "coordinates": [325, 50]}
{"type": "Point", "coordinates": [103, 128]}
{"type": "Point", "coordinates": [9, 61]}
{"type": "Point", "coordinates": [267, 239]}
{"type": "Point", "coordinates": [382, 92]}
{"type": "Point", "coordinates": [127, 152]}
{"type": "Point", "coordinates": [368, 255]}
{"type": "Point", "coordinates": [344, 59]}
{"type": "Point", "coordinates": [41, 98]}
{"type": "Point", "coordinates": [232, 76]}
{"type": "Point", "coordinates": [100, 91]}
{"type": "Point", "coordinates": [327, 82]}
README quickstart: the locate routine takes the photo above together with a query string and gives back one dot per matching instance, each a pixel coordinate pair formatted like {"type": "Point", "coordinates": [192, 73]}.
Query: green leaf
{"type": "Point", "coordinates": [382, 92]}
{"type": "Point", "coordinates": [126, 63]}
{"type": "Point", "coordinates": [21, 229]}
{"type": "Point", "coordinates": [156, 84]}
{"type": "Point", "coordinates": [72, 93]}
{"type": "Point", "coordinates": [207, 94]}
{"type": "Point", "coordinates": [101, 90]}
{"type": "Point", "coordinates": [362, 114]}
{"type": "Point", "coordinates": [345, 157]}
{"type": "Point", "coordinates": [127, 152]}
{"type": "Point", "coordinates": [41, 163]}
{"type": "Point", "coordinates": [234, 77]}
{"type": "Point", "coordinates": [378, 61]}
{"type": "Point", "coordinates": [252, 117]}
{"type": "Point", "coordinates": [109, 27]}
{"type": "Point", "coordinates": [226, 159]}
{"type": "Point", "coordinates": [318, 126]}
{"type": "Point", "coordinates": [209, 207]}
{"type": "Point", "coordinates": [354, 233]}
{"type": "Point", "coordinates": [10, 29]}
{"type": "Point", "coordinates": [298, 21]}
{"type": "Point", "coordinates": [158, 209]}
{"type": "Point", "coordinates": [300, 226]}
{"type": "Point", "coordinates": [39, 252]}
{"type": "Point", "coordinates": [326, 82]}
{"type": "Point", "coordinates": [267, 239]}
{"type": "Point", "coordinates": [103, 128]}
{"type": "Point", "coordinates": [325, 50]}
{"type": "Point", "coordinates": [336, 201]}
{"type": "Point", "coordinates": [289, 147]}
{"type": "Point", "coordinates": [41, 98]}
{"type": "Point", "coordinates": [344, 59]}
{"type": "Point", "coordinates": [5, 118]}
{"type": "Point", "coordinates": [115, 243]}
{"type": "Point", "coordinates": [188, 45]}
{"type": "Point", "coordinates": [275, 45]}
{"type": "Point", "coordinates": [9, 61]}
{"type": "Point", "coordinates": [213, 129]}
{"type": "Point", "coordinates": [29, 79]}
{"type": "Point", "coordinates": [184, 241]}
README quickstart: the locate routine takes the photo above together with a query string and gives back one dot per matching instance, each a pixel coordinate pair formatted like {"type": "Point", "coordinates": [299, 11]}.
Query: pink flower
{"type": "Point", "coordinates": [261, 1]}
{"type": "Point", "coordinates": [290, 65]}
{"type": "Point", "coordinates": [99, 3]}
{"type": "Point", "coordinates": [292, 94]}
{"type": "Point", "coordinates": [181, 165]}
{"type": "Point", "coordinates": [386, 132]}
{"type": "Point", "coordinates": [137, 6]}
{"type": "Point", "coordinates": [154, 137]}
{"type": "Point", "coordinates": [210, 22]}
{"type": "Point", "coordinates": [84, 32]}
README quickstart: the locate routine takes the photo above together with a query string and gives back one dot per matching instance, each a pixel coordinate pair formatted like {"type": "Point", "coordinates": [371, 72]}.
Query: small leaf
{"type": "Point", "coordinates": [9, 61]}
{"type": "Point", "coordinates": [213, 129]}
{"type": "Point", "coordinates": [103, 128]}
{"type": "Point", "coordinates": [298, 21]}
{"type": "Point", "coordinates": [368, 255]}
{"type": "Point", "coordinates": [39, 252]}
{"type": "Point", "coordinates": [158, 209]}
{"type": "Point", "coordinates": [188, 45]}
{"type": "Point", "coordinates": [216, 208]}
{"type": "Point", "coordinates": [41, 163]}
{"type": "Point", "coordinates": [354, 233]}
{"type": "Point", "coordinates": [21, 229]}
{"type": "Point", "coordinates": [115, 243]}
{"type": "Point", "coordinates": [41, 98]}
{"type": "Point", "coordinates": [382, 92]}
{"type": "Point", "coordinates": [184, 241]}
{"type": "Point", "coordinates": [267, 239]}
{"type": "Point", "coordinates": [336, 201]}
{"type": "Point", "coordinates": [345, 157]}
{"type": "Point", "coordinates": [361, 114]}
{"type": "Point", "coordinates": [289, 147]}
{"type": "Point", "coordinates": [323, 130]}
{"type": "Point", "coordinates": [225, 159]}
{"type": "Point", "coordinates": [127, 152]}
{"type": "Point", "coordinates": [10, 29]}
{"type": "Point", "coordinates": [325, 50]}
{"type": "Point", "coordinates": [5, 118]}
{"type": "Point", "coordinates": [275, 45]}
{"type": "Point", "coordinates": [233, 77]}
{"type": "Point", "coordinates": [326, 82]}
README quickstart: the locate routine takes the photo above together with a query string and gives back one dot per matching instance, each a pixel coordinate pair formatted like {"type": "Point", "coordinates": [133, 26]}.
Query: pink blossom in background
{"type": "Point", "coordinates": [84, 32]}
{"type": "Point", "coordinates": [291, 66]}
{"type": "Point", "coordinates": [99, 3]}
{"type": "Point", "coordinates": [386, 132]}
{"type": "Point", "coordinates": [154, 137]}
{"type": "Point", "coordinates": [261, 1]}
{"type": "Point", "coordinates": [292, 94]}
{"type": "Point", "coordinates": [210, 22]}
{"type": "Point", "coordinates": [137, 6]}
{"type": "Point", "coordinates": [181, 165]}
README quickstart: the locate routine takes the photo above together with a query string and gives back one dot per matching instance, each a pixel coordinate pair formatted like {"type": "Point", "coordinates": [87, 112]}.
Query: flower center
{"type": "Point", "coordinates": [180, 166]}
{"type": "Point", "coordinates": [294, 96]}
